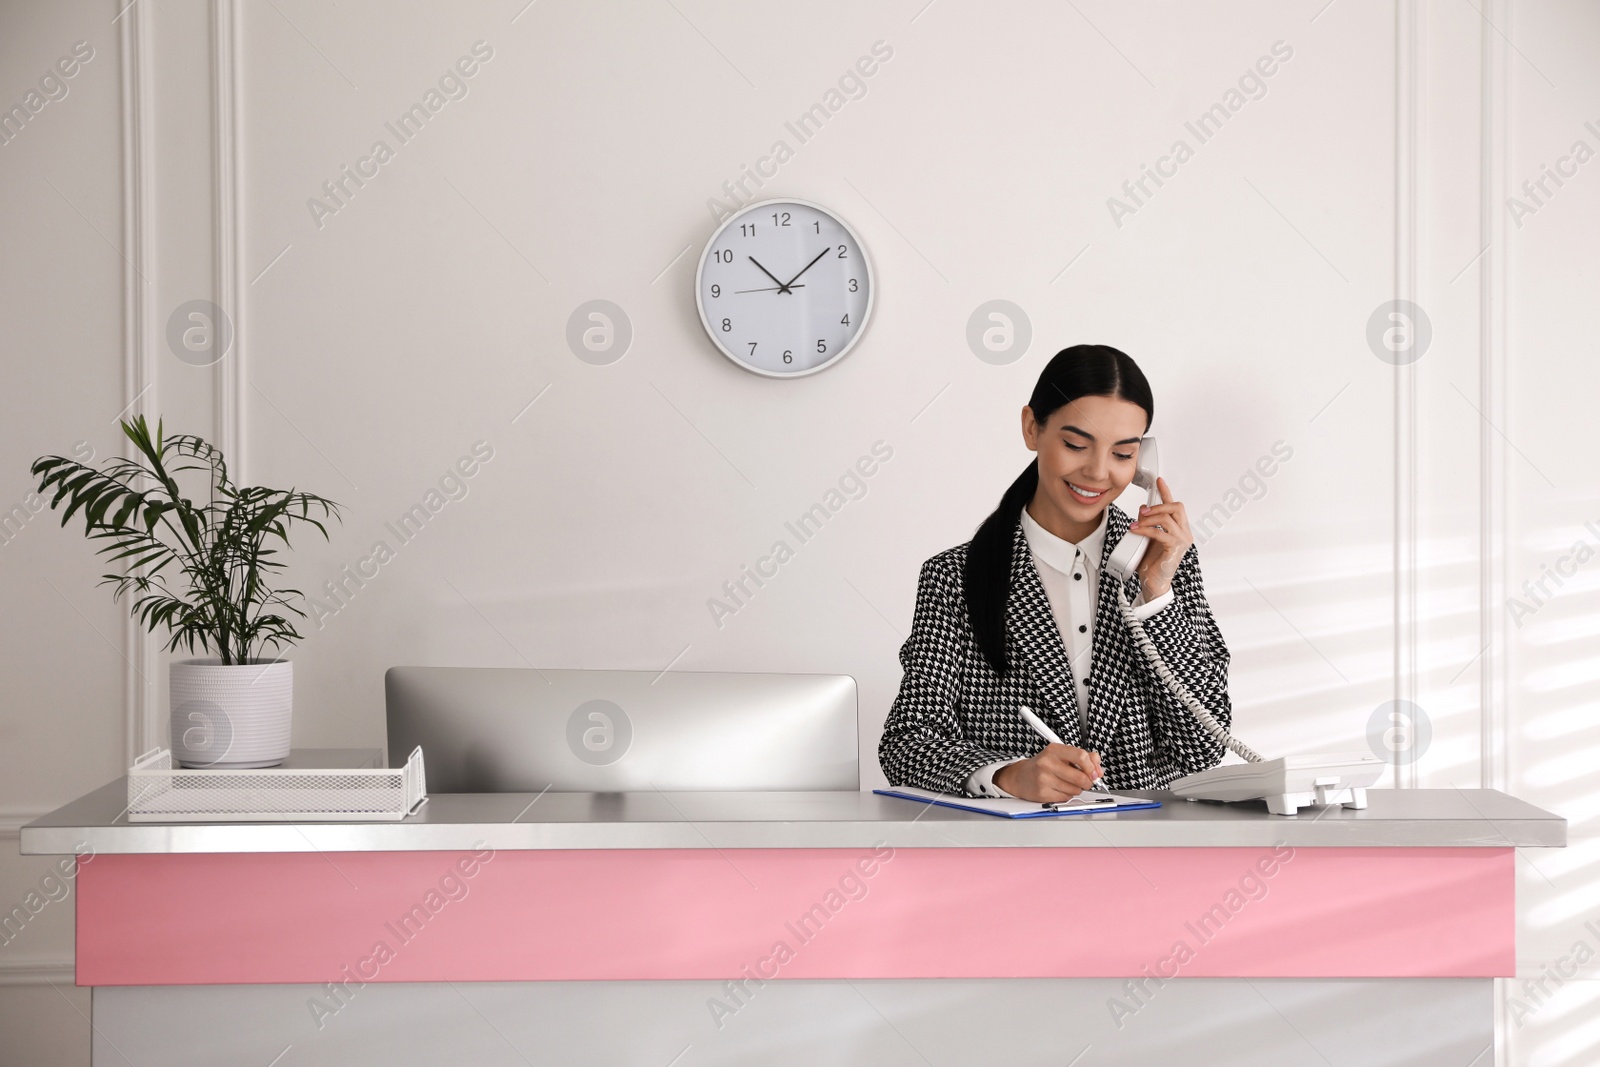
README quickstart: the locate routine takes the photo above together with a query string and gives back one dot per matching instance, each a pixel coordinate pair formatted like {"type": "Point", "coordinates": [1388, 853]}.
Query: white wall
{"type": "Point", "coordinates": [375, 348]}
{"type": "Point", "coordinates": [63, 641]}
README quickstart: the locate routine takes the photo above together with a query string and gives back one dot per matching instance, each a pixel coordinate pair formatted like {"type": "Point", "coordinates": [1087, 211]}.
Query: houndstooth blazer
{"type": "Point", "coordinates": [953, 714]}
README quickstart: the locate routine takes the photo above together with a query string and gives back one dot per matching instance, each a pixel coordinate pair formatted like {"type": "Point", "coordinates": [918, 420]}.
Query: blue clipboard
{"type": "Point", "coordinates": [1010, 808]}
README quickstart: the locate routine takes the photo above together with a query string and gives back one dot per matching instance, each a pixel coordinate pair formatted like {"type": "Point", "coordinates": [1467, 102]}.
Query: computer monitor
{"type": "Point", "coordinates": [513, 729]}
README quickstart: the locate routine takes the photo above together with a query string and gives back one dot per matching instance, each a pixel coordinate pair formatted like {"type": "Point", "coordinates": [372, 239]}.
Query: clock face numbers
{"type": "Point", "coordinates": [784, 288]}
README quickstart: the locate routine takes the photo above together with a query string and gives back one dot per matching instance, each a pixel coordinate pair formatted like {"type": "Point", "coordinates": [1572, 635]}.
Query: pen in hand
{"type": "Point", "coordinates": [1049, 735]}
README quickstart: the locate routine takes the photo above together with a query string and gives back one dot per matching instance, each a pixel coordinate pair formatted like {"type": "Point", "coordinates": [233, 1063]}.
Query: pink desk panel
{"type": "Point", "coordinates": [178, 919]}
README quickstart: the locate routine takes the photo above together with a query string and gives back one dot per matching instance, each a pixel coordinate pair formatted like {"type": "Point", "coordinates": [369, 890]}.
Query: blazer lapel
{"type": "Point", "coordinates": [1032, 626]}
{"type": "Point", "coordinates": [1113, 646]}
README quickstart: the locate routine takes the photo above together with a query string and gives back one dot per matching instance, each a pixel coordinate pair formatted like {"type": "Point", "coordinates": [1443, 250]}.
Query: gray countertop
{"type": "Point", "coordinates": [1409, 818]}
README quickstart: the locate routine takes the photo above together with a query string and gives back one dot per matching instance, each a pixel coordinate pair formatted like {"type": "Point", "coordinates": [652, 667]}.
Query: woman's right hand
{"type": "Point", "coordinates": [1059, 772]}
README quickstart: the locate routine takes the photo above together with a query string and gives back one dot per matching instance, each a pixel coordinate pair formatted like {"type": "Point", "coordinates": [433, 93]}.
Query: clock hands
{"type": "Point", "coordinates": [782, 288]}
{"type": "Point", "coordinates": [803, 269]}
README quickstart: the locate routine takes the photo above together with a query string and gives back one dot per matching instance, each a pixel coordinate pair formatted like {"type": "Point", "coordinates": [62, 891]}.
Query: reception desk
{"type": "Point", "coordinates": [798, 927]}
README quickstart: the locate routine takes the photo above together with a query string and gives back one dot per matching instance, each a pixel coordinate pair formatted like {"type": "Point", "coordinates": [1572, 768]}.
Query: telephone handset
{"type": "Point", "coordinates": [1125, 557]}
{"type": "Point", "coordinates": [1285, 784]}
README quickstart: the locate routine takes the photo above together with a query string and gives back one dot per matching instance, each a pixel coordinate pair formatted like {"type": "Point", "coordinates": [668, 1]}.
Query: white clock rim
{"type": "Point", "coordinates": [866, 314]}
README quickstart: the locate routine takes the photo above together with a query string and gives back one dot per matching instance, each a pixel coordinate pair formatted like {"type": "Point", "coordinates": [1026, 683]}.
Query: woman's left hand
{"type": "Point", "coordinates": [1167, 527]}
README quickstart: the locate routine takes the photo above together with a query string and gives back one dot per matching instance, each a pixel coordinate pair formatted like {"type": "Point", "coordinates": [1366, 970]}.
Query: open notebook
{"type": "Point", "coordinates": [1012, 808]}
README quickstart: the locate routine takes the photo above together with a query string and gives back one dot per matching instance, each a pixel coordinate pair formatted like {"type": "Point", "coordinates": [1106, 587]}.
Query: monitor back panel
{"type": "Point", "coordinates": [508, 729]}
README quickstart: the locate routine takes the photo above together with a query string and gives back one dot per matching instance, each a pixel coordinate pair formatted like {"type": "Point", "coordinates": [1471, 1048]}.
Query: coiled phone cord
{"type": "Point", "coordinates": [1176, 687]}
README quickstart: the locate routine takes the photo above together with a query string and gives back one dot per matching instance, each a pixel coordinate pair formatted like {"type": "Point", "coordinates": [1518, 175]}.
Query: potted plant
{"type": "Point", "coordinates": [230, 708]}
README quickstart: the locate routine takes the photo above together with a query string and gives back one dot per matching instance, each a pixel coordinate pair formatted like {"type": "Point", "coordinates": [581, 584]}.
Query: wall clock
{"type": "Point", "coordinates": [784, 288]}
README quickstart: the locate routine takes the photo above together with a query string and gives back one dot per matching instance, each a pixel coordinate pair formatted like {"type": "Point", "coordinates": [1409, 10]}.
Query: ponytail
{"type": "Point", "coordinates": [986, 575]}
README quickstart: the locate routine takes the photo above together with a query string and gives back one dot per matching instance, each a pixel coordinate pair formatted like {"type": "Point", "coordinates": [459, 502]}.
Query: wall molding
{"type": "Point", "coordinates": [1407, 60]}
{"type": "Point", "coordinates": [1494, 499]}
{"type": "Point", "coordinates": [227, 246]}
{"type": "Point", "coordinates": [138, 371]}
{"type": "Point", "coordinates": [12, 820]}
{"type": "Point", "coordinates": [37, 970]}
{"type": "Point", "coordinates": [1494, 81]}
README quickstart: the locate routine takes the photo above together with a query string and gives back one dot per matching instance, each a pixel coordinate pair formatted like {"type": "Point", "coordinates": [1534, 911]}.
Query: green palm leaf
{"type": "Point", "coordinates": [138, 511]}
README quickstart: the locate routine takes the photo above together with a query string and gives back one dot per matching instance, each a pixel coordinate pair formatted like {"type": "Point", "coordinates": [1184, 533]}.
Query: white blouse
{"type": "Point", "coordinates": [1070, 574]}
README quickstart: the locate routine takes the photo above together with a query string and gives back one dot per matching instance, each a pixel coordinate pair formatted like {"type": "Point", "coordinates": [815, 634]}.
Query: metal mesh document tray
{"type": "Point", "coordinates": [159, 793]}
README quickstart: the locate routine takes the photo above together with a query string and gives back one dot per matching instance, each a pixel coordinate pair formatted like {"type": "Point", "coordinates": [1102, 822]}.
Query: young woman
{"type": "Point", "coordinates": [1022, 615]}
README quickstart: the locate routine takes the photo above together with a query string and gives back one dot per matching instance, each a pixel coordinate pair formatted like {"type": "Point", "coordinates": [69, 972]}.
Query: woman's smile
{"type": "Point", "coordinates": [1088, 452]}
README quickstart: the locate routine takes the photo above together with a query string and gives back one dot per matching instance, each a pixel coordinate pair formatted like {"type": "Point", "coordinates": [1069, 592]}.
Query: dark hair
{"type": "Point", "coordinates": [1082, 370]}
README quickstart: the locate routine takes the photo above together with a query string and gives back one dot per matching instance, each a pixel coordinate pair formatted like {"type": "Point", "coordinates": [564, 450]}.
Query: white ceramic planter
{"type": "Point", "coordinates": [234, 715]}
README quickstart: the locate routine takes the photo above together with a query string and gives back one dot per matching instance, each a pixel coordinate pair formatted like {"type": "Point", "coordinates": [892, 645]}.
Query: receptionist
{"type": "Point", "coordinates": [1020, 615]}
